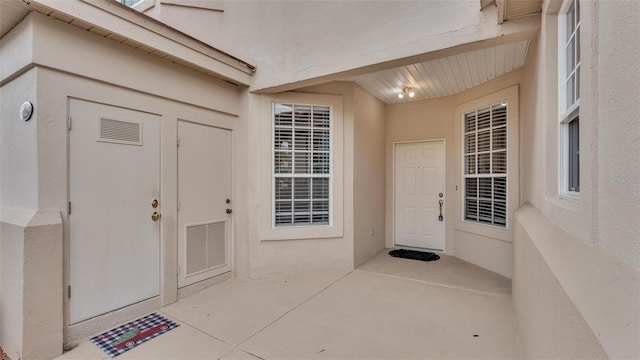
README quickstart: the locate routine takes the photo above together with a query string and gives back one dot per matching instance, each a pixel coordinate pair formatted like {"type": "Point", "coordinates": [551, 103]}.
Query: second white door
{"type": "Point", "coordinates": [204, 200]}
{"type": "Point", "coordinates": [419, 191]}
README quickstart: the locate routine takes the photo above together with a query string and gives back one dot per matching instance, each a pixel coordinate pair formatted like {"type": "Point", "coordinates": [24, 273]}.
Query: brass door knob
{"type": "Point", "coordinates": [154, 203]}
{"type": "Point", "coordinates": [155, 216]}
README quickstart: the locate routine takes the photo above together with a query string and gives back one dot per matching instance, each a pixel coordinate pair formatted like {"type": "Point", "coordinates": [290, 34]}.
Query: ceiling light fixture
{"type": "Point", "coordinates": [407, 90]}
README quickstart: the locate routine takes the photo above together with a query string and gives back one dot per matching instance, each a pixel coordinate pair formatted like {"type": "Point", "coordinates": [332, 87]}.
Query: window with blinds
{"type": "Point", "coordinates": [485, 165]}
{"type": "Point", "coordinates": [301, 164]}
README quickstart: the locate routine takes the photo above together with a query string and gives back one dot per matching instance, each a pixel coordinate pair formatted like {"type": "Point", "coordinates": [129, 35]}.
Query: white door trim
{"type": "Point", "coordinates": [393, 181]}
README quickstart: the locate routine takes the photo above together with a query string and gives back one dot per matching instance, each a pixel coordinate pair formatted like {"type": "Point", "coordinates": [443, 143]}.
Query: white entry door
{"type": "Point", "coordinates": [419, 181]}
{"type": "Point", "coordinates": [204, 200]}
{"type": "Point", "coordinates": [114, 175]}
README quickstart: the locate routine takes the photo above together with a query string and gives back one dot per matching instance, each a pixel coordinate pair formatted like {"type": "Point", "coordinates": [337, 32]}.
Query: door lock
{"type": "Point", "coordinates": [227, 201]}
{"type": "Point", "coordinates": [154, 203]}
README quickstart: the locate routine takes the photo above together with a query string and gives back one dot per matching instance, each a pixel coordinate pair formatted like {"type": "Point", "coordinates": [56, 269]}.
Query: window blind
{"type": "Point", "coordinates": [485, 165]}
{"type": "Point", "coordinates": [302, 164]}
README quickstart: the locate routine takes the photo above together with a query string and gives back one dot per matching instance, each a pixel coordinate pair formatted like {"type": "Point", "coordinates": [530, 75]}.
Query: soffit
{"type": "Point", "coordinates": [519, 8]}
{"type": "Point", "coordinates": [446, 75]}
{"type": "Point", "coordinates": [13, 11]}
{"type": "Point", "coordinates": [513, 9]}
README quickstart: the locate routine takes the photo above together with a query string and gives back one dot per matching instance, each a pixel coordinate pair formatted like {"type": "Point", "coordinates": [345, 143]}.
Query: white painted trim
{"type": "Point", "coordinates": [336, 228]}
{"type": "Point", "coordinates": [293, 175]}
{"type": "Point", "coordinates": [393, 186]}
{"type": "Point", "coordinates": [136, 26]}
{"type": "Point", "coordinates": [490, 176]}
{"type": "Point", "coordinates": [144, 5]}
{"type": "Point", "coordinates": [565, 115]}
{"type": "Point", "coordinates": [511, 95]}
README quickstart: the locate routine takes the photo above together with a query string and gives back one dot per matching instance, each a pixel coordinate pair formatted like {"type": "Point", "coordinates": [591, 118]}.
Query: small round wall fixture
{"type": "Point", "coordinates": [26, 110]}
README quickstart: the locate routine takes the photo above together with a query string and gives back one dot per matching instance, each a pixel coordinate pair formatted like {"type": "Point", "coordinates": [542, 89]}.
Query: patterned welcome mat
{"type": "Point", "coordinates": [124, 338]}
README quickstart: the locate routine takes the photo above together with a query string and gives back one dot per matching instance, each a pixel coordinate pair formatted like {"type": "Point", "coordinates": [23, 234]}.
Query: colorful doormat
{"type": "Point", "coordinates": [124, 338]}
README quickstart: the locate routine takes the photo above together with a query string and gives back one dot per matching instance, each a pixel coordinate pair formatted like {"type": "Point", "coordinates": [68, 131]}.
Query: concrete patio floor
{"type": "Point", "coordinates": [388, 308]}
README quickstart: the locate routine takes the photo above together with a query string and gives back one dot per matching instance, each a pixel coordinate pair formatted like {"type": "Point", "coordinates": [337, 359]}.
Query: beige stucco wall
{"type": "Point", "coordinates": [260, 255]}
{"type": "Point", "coordinates": [582, 256]}
{"type": "Point", "coordinates": [34, 165]}
{"type": "Point", "coordinates": [435, 119]}
{"type": "Point", "coordinates": [368, 176]}
{"type": "Point", "coordinates": [362, 179]}
{"type": "Point", "coordinates": [550, 324]}
{"type": "Point", "coordinates": [608, 211]}
{"type": "Point", "coordinates": [297, 41]}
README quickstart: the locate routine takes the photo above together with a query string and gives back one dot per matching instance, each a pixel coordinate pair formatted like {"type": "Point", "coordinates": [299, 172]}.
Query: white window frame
{"type": "Point", "coordinates": [263, 160]}
{"type": "Point", "coordinates": [293, 175]}
{"type": "Point", "coordinates": [490, 175]}
{"type": "Point", "coordinates": [566, 113]}
{"type": "Point", "coordinates": [510, 95]}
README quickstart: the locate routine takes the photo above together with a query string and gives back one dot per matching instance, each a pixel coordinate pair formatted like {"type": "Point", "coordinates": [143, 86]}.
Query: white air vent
{"type": "Point", "coordinates": [206, 247]}
{"type": "Point", "coordinates": [119, 132]}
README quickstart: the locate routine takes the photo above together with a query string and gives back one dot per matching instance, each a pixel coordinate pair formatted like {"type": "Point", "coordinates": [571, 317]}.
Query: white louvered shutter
{"type": "Point", "coordinates": [485, 165]}
{"type": "Point", "coordinates": [302, 164]}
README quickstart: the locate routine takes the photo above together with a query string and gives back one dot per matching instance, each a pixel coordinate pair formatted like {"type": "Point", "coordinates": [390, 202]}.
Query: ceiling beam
{"type": "Point", "coordinates": [502, 10]}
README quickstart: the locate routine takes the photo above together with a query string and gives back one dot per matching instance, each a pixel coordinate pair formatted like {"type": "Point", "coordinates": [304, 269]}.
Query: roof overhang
{"type": "Point", "coordinates": [127, 26]}
{"type": "Point", "coordinates": [513, 9]}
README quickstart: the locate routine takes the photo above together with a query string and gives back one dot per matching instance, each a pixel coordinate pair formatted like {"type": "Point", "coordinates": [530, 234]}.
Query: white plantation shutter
{"type": "Point", "coordinates": [485, 165]}
{"type": "Point", "coordinates": [302, 164]}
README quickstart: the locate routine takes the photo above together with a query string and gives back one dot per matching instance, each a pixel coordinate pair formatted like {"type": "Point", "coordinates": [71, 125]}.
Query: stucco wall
{"type": "Point", "coordinates": [36, 153]}
{"type": "Point", "coordinates": [414, 121]}
{"type": "Point", "coordinates": [584, 253]}
{"type": "Point", "coordinates": [368, 176]}
{"type": "Point", "coordinates": [294, 41]}
{"type": "Point", "coordinates": [264, 257]}
{"type": "Point", "coordinates": [434, 119]}
{"type": "Point", "coordinates": [618, 85]}
{"type": "Point", "coordinates": [550, 325]}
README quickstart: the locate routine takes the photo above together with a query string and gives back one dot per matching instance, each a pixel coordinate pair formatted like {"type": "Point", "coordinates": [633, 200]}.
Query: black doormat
{"type": "Point", "coordinates": [414, 255]}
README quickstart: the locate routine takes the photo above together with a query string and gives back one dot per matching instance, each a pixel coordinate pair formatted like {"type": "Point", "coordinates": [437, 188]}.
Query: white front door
{"type": "Point", "coordinates": [204, 195]}
{"type": "Point", "coordinates": [114, 175]}
{"type": "Point", "coordinates": [419, 181]}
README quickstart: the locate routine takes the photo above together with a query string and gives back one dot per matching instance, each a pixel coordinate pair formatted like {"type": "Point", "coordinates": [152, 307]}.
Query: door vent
{"type": "Point", "coordinates": [206, 247]}
{"type": "Point", "coordinates": [119, 132]}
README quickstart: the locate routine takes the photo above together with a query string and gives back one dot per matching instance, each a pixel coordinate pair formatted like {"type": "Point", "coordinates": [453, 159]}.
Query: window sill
{"type": "Point", "coordinates": [301, 233]}
{"type": "Point", "coordinates": [573, 197]}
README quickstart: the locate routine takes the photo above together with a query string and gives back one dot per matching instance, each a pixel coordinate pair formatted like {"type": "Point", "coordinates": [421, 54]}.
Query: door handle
{"type": "Point", "coordinates": [440, 217]}
{"type": "Point", "coordinates": [229, 211]}
{"type": "Point", "coordinates": [155, 216]}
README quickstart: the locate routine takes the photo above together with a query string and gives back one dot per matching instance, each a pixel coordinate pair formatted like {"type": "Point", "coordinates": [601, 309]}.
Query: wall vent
{"type": "Point", "coordinates": [119, 132]}
{"type": "Point", "coordinates": [206, 247]}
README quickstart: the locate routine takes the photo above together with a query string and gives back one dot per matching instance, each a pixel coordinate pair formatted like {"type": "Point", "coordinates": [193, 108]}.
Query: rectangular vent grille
{"type": "Point", "coordinates": [206, 247]}
{"type": "Point", "coordinates": [120, 132]}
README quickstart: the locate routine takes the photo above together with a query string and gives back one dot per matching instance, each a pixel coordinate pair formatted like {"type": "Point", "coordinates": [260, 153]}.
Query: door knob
{"type": "Point", "coordinates": [229, 211]}
{"type": "Point", "coordinates": [154, 203]}
{"type": "Point", "coordinates": [155, 216]}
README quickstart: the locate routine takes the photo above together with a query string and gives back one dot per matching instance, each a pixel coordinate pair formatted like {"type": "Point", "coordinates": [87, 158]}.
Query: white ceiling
{"type": "Point", "coordinates": [445, 76]}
